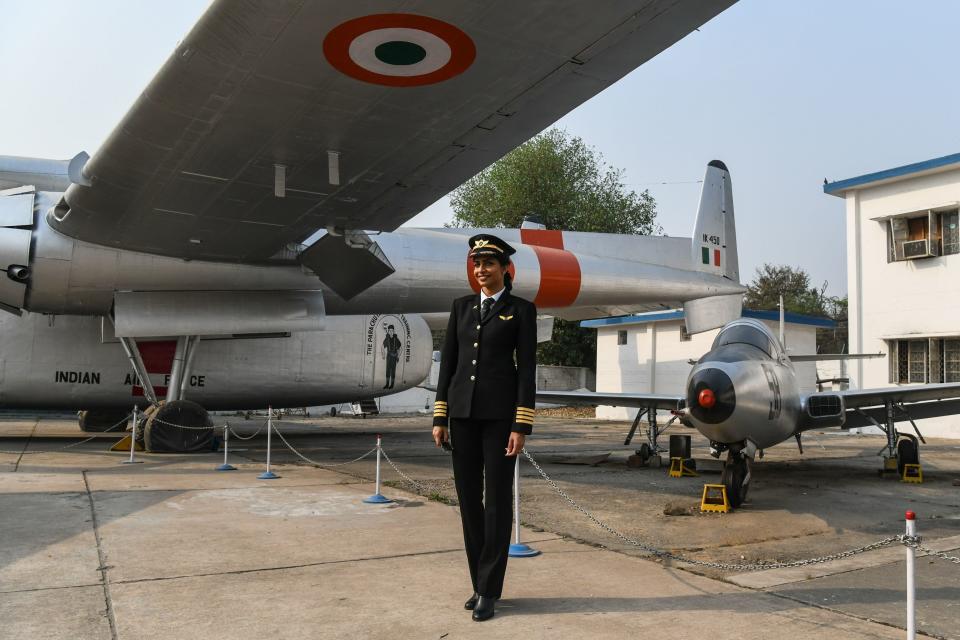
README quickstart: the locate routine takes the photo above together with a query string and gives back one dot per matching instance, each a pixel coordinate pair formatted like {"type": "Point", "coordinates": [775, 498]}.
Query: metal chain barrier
{"type": "Point", "coordinates": [314, 462]}
{"type": "Point", "coordinates": [240, 437]}
{"type": "Point", "coordinates": [181, 426]}
{"type": "Point", "coordinates": [660, 553]}
{"type": "Point", "coordinates": [915, 542]}
{"type": "Point", "coordinates": [71, 445]}
{"type": "Point", "coordinates": [419, 487]}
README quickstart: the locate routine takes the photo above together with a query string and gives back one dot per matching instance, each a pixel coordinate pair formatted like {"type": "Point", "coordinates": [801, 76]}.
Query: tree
{"type": "Point", "coordinates": [568, 185]}
{"type": "Point", "coordinates": [561, 180]}
{"type": "Point", "coordinates": [772, 281]}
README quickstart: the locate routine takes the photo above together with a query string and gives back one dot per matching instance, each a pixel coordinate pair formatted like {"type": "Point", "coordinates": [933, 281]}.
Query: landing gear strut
{"type": "Point", "coordinates": [901, 448]}
{"type": "Point", "coordinates": [650, 449]}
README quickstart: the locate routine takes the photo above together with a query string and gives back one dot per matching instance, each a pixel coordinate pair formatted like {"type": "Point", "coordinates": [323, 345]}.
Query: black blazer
{"type": "Point", "coordinates": [488, 369]}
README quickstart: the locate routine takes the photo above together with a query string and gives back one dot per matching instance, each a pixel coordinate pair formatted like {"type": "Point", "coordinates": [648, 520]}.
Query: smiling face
{"type": "Point", "coordinates": [489, 273]}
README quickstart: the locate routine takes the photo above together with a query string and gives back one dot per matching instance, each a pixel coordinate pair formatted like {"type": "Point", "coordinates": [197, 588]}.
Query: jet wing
{"type": "Point", "coordinates": [866, 407]}
{"type": "Point", "coordinates": [860, 398]}
{"type": "Point", "coordinates": [273, 119]}
{"type": "Point", "coordinates": [592, 399]}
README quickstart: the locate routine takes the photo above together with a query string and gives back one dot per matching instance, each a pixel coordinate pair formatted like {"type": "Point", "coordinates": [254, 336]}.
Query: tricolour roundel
{"type": "Point", "coordinates": [399, 49]}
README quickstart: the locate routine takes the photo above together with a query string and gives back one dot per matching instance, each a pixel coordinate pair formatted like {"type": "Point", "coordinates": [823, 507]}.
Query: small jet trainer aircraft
{"type": "Point", "coordinates": [744, 397]}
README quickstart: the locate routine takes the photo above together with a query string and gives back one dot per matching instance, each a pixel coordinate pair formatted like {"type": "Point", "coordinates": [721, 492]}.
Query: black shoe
{"type": "Point", "coordinates": [484, 609]}
{"type": "Point", "coordinates": [471, 602]}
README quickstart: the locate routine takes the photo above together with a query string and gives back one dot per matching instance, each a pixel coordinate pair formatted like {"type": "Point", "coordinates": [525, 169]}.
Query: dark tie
{"type": "Point", "coordinates": [485, 308]}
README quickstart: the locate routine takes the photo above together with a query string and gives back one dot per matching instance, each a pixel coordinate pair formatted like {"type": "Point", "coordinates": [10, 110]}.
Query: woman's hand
{"type": "Point", "coordinates": [440, 434]}
{"type": "Point", "coordinates": [515, 443]}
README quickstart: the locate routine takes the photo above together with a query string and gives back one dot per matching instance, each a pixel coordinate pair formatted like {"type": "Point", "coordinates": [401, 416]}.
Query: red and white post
{"type": "Point", "coordinates": [911, 518]}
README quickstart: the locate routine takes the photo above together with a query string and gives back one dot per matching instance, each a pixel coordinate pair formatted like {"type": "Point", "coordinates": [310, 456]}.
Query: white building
{"type": "Point", "coordinates": [903, 274]}
{"type": "Point", "coordinates": [650, 352]}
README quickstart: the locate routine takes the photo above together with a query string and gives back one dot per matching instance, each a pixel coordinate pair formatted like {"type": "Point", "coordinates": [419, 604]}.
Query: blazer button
{"type": "Point", "coordinates": [474, 362]}
{"type": "Point", "coordinates": [478, 327]}
{"type": "Point", "coordinates": [473, 377]}
{"type": "Point", "coordinates": [475, 345]}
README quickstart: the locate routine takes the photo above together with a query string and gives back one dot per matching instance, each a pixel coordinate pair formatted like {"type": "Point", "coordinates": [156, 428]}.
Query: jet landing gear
{"type": "Point", "coordinates": [901, 448]}
{"type": "Point", "coordinates": [737, 472]}
{"type": "Point", "coordinates": [649, 451]}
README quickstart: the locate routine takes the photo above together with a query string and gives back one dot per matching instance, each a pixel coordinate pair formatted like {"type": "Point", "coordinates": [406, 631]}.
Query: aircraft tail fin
{"type": "Point", "coordinates": [714, 251]}
{"type": "Point", "coordinates": [714, 246]}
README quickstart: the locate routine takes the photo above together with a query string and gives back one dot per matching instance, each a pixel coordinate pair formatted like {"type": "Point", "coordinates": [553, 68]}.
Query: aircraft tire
{"type": "Point", "coordinates": [180, 426]}
{"type": "Point", "coordinates": [907, 453]}
{"type": "Point", "coordinates": [644, 453]}
{"type": "Point", "coordinates": [99, 421]}
{"type": "Point", "coordinates": [733, 478]}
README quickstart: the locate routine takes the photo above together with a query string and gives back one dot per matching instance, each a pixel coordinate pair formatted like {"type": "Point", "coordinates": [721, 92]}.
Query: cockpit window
{"type": "Point", "coordinates": [744, 334]}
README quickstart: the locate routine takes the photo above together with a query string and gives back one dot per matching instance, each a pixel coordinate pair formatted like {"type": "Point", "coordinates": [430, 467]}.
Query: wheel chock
{"type": "Point", "coordinates": [678, 469]}
{"type": "Point", "coordinates": [912, 473]}
{"type": "Point", "coordinates": [124, 445]}
{"type": "Point", "coordinates": [714, 498]}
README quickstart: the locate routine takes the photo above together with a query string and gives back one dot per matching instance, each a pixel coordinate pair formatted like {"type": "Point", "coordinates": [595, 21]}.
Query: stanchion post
{"type": "Point", "coordinates": [133, 439]}
{"type": "Point", "coordinates": [268, 475]}
{"type": "Point", "coordinates": [377, 497]}
{"type": "Point", "coordinates": [518, 549]}
{"type": "Point", "coordinates": [911, 577]}
{"type": "Point", "coordinates": [226, 466]}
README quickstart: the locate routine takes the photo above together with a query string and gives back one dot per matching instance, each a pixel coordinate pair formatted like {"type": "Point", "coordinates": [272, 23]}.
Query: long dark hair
{"type": "Point", "coordinates": [507, 278]}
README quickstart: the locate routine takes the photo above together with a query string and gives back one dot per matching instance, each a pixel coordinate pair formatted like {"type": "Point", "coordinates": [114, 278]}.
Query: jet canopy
{"type": "Point", "coordinates": [746, 333]}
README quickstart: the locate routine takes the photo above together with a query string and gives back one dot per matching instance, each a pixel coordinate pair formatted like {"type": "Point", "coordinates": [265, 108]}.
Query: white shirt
{"type": "Point", "coordinates": [495, 296]}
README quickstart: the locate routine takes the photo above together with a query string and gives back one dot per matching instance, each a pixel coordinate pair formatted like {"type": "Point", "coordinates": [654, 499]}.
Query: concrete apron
{"type": "Point", "coordinates": [187, 552]}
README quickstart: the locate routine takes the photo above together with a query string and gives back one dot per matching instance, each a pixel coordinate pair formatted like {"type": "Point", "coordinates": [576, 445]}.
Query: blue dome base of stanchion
{"type": "Point", "coordinates": [377, 498]}
{"type": "Point", "coordinates": [267, 475]}
{"type": "Point", "coordinates": [522, 551]}
{"type": "Point", "coordinates": [225, 467]}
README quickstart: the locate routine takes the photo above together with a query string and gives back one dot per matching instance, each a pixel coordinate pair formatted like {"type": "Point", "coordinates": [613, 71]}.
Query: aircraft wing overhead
{"type": "Point", "coordinates": [273, 119]}
{"type": "Point", "coordinates": [592, 399]}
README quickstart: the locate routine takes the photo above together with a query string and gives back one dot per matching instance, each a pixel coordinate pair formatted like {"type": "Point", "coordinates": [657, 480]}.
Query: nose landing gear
{"type": "Point", "coordinates": [736, 476]}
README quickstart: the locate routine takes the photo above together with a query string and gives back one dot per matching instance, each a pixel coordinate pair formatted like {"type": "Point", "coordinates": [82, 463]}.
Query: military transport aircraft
{"type": "Point", "coordinates": [743, 395]}
{"type": "Point", "coordinates": [198, 218]}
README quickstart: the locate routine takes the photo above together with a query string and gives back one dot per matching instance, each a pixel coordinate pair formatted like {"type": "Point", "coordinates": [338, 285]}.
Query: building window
{"type": "Point", "coordinates": [950, 233]}
{"type": "Point", "coordinates": [918, 361]}
{"type": "Point", "coordinates": [923, 235]}
{"type": "Point", "coordinates": [951, 360]}
{"type": "Point", "coordinates": [684, 336]}
{"type": "Point", "coordinates": [622, 337]}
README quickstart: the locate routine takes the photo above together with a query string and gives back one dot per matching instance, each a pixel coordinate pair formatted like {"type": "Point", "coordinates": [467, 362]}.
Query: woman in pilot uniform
{"type": "Point", "coordinates": [484, 409]}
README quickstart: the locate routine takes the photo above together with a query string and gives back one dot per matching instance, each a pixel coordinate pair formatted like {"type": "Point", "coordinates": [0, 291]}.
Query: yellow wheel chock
{"type": "Point", "coordinates": [912, 473]}
{"type": "Point", "coordinates": [124, 445]}
{"type": "Point", "coordinates": [679, 469]}
{"type": "Point", "coordinates": [714, 498]}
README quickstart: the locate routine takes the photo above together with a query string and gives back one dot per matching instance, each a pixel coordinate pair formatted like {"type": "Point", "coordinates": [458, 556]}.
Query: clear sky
{"type": "Point", "coordinates": [786, 93]}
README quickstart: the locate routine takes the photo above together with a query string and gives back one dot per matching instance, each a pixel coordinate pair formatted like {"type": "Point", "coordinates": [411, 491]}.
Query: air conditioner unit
{"type": "Point", "coordinates": [913, 249]}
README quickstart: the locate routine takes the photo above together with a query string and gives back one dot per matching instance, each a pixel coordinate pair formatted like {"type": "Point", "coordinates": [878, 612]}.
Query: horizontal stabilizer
{"type": "Point", "coordinates": [819, 357]}
{"type": "Point", "coordinates": [711, 313]}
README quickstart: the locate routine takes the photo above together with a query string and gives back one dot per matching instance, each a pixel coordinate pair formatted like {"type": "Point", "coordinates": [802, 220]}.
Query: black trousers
{"type": "Point", "coordinates": [484, 479]}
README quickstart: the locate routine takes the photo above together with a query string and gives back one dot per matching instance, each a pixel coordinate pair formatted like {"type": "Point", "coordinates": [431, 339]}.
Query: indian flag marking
{"type": "Point", "coordinates": [705, 255]}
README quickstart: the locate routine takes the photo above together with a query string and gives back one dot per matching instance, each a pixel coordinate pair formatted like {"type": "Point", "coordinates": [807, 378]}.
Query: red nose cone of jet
{"type": "Point", "coordinates": [707, 399]}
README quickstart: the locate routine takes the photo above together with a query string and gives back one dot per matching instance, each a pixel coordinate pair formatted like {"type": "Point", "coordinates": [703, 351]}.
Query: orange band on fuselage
{"type": "Point", "coordinates": [559, 269]}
